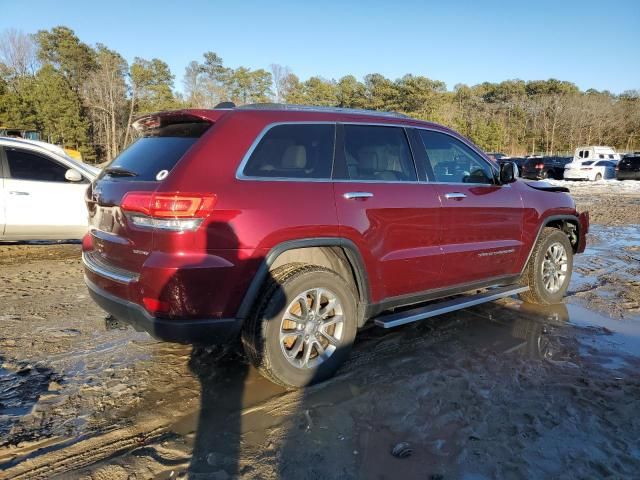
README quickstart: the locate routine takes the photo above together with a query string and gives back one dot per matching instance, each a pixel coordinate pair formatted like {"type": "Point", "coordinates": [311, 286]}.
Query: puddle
{"type": "Point", "coordinates": [21, 386]}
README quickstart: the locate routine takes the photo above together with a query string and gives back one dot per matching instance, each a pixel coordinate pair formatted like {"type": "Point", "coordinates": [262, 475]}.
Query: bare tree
{"type": "Point", "coordinates": [281, 84]}
{"type": "Point", "coordinates": [105, 93]}
{"type": "Point", "coordinates": [18, 52]}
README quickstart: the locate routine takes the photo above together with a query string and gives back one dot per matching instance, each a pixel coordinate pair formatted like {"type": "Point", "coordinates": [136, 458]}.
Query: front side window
{"type": "Point", "coordinates": [378, 153]}
{"type": "Point", "coordinates": [25, 165]}
{"type": "Point", "coordinates": [294, 151]}
{"type": "Point", "coordinates": [454, 162]}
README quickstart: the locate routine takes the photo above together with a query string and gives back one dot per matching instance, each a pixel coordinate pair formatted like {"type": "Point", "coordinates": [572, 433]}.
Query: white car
{"type": "Point", "coordinates": [41, 192]}
{"type": "Point", "coordinates": [593, 170]}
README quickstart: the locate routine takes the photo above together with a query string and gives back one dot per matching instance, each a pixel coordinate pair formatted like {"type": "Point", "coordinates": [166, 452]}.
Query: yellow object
{"type": "Point", "coordinates": [75, 154]}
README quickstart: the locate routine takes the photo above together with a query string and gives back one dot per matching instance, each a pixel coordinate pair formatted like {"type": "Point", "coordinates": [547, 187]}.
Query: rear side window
{"type": "Point", "coordinates": [378, 153]}
{"type": "Point", "coordinates": [294, 151]}
{"type": "Point", "coordinates": [454, 162]}
{"type": "Point", "coordinates": [158, 150]}
{"type": "Point", "coordinates": [30, 166]}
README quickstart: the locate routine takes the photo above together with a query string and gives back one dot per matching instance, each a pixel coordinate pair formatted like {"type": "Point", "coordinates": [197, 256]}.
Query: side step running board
{"type": "Point", "coordinates": [446, 306]}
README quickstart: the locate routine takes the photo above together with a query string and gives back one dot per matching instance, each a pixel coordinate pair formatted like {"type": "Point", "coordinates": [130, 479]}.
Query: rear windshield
{"type": "Point", "coordinates": [157, 151]}
{"type": "Point", "coordinates": [635, 161]}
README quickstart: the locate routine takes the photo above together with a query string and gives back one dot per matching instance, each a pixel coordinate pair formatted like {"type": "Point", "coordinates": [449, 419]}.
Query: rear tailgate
{"type": "Point", "coordinates": [141, 168]}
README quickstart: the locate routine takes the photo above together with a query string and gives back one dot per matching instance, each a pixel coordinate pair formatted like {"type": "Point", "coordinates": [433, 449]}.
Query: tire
{"type": "Point", "coordinates": [598, 177]}
{"type": "Point", "coordinates": [282, 359]}
{"type": "Point", "coordinates": [545, 174]}
{"type": "Point", "coordinates": [538, 272]}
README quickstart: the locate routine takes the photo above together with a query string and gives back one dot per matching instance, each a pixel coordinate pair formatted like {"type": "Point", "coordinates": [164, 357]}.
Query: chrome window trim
{"type": "Point", "coordinates": [241, 176]}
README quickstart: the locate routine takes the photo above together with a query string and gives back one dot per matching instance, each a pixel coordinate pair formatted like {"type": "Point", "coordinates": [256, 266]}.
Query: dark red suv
{"type": "Point", "coordinates": [293, 226]}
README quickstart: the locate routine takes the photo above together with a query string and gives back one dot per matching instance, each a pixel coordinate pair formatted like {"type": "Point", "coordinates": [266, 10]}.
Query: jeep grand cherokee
{"type": "Point", "coordinates": [293, 226]}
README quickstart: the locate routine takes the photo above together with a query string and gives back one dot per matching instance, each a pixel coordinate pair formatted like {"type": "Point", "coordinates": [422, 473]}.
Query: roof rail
{"type": "Point", "coordinates": [313, 108]}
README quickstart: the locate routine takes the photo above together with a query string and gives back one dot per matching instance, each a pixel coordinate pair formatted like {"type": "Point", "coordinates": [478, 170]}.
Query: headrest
{"type": "Point", "coordinates": [368, 159]}
{"type": "Point", "coordinates": [295, 156]}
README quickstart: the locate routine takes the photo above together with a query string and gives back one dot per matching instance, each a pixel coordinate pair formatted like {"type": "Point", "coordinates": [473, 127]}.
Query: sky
{"type": "Point", "coordinates": [594, 44]}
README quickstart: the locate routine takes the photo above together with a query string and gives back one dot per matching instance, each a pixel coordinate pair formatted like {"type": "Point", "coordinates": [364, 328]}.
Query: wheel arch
{"type": "Point", "coordinates": [569, 224]}
{"type": "Point", "coordinates": [336, 253]}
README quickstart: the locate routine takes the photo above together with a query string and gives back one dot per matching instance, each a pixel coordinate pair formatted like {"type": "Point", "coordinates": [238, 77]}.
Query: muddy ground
{"type": "Point", "coordinates": [502, 390]}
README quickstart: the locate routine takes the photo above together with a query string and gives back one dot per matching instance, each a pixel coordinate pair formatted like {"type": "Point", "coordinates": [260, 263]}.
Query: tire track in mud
{"type": "Point", "coordinates": [67, 458]}
{"type": "Point", "coordinates": [375, 346]}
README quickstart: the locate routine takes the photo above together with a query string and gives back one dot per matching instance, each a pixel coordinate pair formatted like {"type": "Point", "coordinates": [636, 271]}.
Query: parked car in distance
{"type": "Point", "coordinates": [593, 170]}
{"type": "Point", "coordinates": [629, 168]}
{"type": "Point", "coordinates": [497, 156]}
{"type": "Point", "coordinates": [293, 226]}
{"type": "Point", "coordinates": [41, 192]}
{"type": "Point", "coordinates": [536, 168]}
{"type": "Point", "coordinates": [595, 152]}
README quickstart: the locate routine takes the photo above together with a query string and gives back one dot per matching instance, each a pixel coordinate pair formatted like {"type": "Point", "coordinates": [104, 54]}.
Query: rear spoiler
{"type": "Point", "coordinates": [153, 121]}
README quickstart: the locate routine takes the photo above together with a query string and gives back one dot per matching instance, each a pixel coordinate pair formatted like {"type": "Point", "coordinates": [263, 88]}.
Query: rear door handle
{"type": "Point", "coordinates": [352, 195]}
{"type": "Point", "coordinates": [14, 192]}
{"type": "Point", "coordinates": [454, 195]}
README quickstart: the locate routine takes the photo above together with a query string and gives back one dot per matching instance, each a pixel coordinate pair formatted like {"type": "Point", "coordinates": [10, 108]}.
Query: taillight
{"type": "Point", "coordinates": [540, 165]}
{"type": "Point", "coordinates": [168, 211]}
{"type": "Point", "coordinates": [153, 305]}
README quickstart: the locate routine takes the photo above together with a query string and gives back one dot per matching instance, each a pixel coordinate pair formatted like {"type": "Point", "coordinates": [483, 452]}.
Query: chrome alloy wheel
{"type": "Point", "coordinates": [311, 328]}
{"type": "Point", "coordinates": [554, 267]}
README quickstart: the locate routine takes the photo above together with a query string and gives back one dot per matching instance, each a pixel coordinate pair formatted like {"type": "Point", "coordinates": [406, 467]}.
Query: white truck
{"type": "Point", "coordinates": [595, 152]}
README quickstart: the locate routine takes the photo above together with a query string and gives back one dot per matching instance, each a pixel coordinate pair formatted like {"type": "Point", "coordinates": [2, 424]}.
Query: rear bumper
{"type": "Point", "coordinates": [575, 176]}
{"type": "Point", "coordinates": [621, 175]}
{"type": "Point", "coordinates": [208, 331]}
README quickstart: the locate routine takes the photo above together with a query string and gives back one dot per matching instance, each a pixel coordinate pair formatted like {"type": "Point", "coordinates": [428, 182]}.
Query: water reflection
{"type": "Point", "coordinates": [438, 384]}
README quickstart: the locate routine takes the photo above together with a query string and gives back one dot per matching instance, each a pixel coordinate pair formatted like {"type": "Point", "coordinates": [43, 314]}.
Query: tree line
{"type": "Point", "coordinates": [85, 97]}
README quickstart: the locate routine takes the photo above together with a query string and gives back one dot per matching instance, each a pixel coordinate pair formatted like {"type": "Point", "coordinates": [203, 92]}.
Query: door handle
{"type": "Point", "coordinates": [14, 192]}
{"type": "Point", "coordinates": [352, 195]}
{"type": "Point", "coordinates": [454, 195]}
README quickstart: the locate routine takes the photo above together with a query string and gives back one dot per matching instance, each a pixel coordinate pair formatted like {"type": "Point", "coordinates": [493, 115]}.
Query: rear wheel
{"type": "Point", "coordinates": [303, 326]}
{"type": "Point", "coordinates": [598, 177]}
{"type": "Point", "coordinates": [548, 272]}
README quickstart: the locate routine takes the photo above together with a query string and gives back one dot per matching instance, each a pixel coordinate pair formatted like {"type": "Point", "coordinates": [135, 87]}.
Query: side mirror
{"type": "Point", "coordinates": [73, 175]}
{"type": "Point", "coordinates": [508, 172]}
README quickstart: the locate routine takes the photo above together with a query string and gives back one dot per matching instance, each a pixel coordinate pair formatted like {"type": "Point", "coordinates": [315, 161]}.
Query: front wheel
{"type": "Point", "coordinates": [303, 327]}
{"type": "Point", "coordinates": [548, 272]}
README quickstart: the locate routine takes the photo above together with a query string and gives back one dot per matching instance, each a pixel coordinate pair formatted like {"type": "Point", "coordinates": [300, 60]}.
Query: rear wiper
{"type": "Point", "coordinates": [120, 172]}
